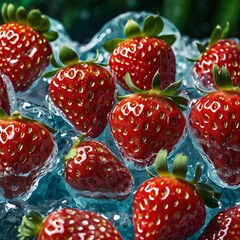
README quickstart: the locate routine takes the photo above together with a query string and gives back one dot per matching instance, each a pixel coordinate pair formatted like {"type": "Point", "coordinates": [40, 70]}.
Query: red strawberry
{"type": "Point", "coordinates": [222, 52]}
{"type": "Point", "coordinates": [168, 207]}
{"type": "Point", "coordinates": [142, 54]}
{"type": "Point", "coordinates": [24, 48]}
{"type": "Point", "coordinates": [214, 121]}
{"type": "Point", "coordinates": [94, 171]}
{"type": "Point", "coordinates": [4, 97]}
{"type": "Point", "coordinates": [224, 225]}
{"type": "Point", "coordinates": [83, 91]}
{"type": "Point", "coordinates": [67, 223]}
{"type": "Point", "coordinates": [147, 121]}
{"type": "Point", "coordinates": [27, 149]}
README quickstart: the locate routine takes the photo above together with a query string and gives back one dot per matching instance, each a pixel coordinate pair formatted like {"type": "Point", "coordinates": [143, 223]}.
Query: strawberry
{"type": "Point", "coordinates": [27, 149]}
{"type": "Point", "coordinates": [144, 122]}
{"type": "Point", "coordinates": [94, 171]}
{"type": "Point", "coordinates": [224, 225]}
{"type": "Point", "coordinates": [214, 120]}
{"type": "Point", "coordinates": [142, 54]}
{"type": "Point", "coordinates": [167, 206]}
{"type": "Point", "coordinates": [220, 51]}
{"type": "Point", "coordinates": [4, 97]}
{"type": "Point", "coordinates": [24, 48]}
{"type": "Point", "coordinates": [67, 223]}
{"type": "Point", "coordinates": [83, 91]}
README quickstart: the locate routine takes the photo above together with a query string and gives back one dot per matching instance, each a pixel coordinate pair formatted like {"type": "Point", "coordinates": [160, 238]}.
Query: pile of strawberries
{"type": "Point", "coordinates": [146, 124]}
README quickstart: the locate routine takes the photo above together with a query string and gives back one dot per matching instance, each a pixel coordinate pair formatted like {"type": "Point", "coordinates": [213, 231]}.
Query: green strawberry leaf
{"type": "Point", "coordinates": [34, 18]}
{"type": "Point", "coordinates": [169, 39]}
{"type": "Point", "coordinates": [132, 29]}
{"type": "Point", "coordinates": [222, 78]}
{"type": "Point", "coordinates": [30, 226]}
{"type": "Point", "coordinates": [3, 114]}
{"type": "Point", "coordinates": [51, 35]}
{"type": "Point", "coordinates": [21, 15]}
{"type": "Point", "coordinates": [201, 48]}
{"type": "Point", "coordinates": [67, 56]}
{"type": "Point", "coordinates": [112, 44]}
{"type": "Point", "coordinates": [131, 85]}
{"type": "Point", "coordinates": [4, 12]}
{"type": "Point", "coordinates": [11, 12]}
{"type": "Point", "coordinates": [71, 154]}
{"type": "Point", "coordinates": [54, 62]}
{"type": "Point", "coordinates": [179, 100]}
{"type": "Point", "coordinates": [44, 25]}
{"type": "Point", "coordinates": [179, 168]}
{"type": "Point", "coordinates": [225, 31]}
{"type": "Point", "coordinates": [160, 164]}
{"type": "Point", "coordinates": [152, 26]}
{"type": "Point", "coordinates": [216, 35]}
{"type": "Point", "coordinates": [208, 194]}
{"type": "Point", "coordinates": [197, 175]}
{"type": "Point", "coordinates": [172, 89]}
{"type": "Point", "coordinates": [50, 74]}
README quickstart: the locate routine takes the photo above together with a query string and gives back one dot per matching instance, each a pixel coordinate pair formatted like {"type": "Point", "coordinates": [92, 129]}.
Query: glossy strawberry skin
{"type": "Point", "coordinates": [142, 58]}
{"type": "Point", "coordinates": [225, 225]}
{"type": "Point", "coordinates": [25, 155]}
{"type": "Point", "coordinates": [4, 98]}
{"type": "Point", "coordinates": [224, 52]}
{"type": "Point", "coordinates": [214, 121]}
{"type": "Point", "coordinates": [85, 94]}
{"type": "Point", "coordinates": [166, 208]}
{"type": "Point", "coordinates": [142, 124]}
{"type": "Point", "coordinates": [24, 54]}
{"type": "Point", "coordinates": [76, 224]}
{"type": "Point", "coordinates": [96, 170]}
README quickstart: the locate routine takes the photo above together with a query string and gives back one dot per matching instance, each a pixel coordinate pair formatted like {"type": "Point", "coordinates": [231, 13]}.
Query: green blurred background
{"type": "Point", "coordinates": [83, 18]}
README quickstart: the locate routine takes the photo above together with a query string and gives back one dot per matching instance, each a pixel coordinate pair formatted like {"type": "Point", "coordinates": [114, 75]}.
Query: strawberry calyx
{"type": "Point", "coordinates": [152, 27]}
{"type": "Point", "coordinates": [222, 80]}
{"type": "Point", "coordinates": [34, 19]}
{"type": "Point", "coordinates": [73, 152]}
{"type": "Point", "coordinates": [217, 34]}
{"type": "Point", "coordinates": [68, 57]}
{"type": "Point", "coordinates": [17, 115]}
{"type": "Point", "coordinates": [171, 92]}
{"type": "Point", "coordinates": [30, 226]}
{"type": "Point", "coordinates": [179, 171]}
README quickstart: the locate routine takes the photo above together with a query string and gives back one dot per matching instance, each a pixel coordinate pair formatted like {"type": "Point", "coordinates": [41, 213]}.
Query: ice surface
{"type": "Point", "coordinates": [52, 191]}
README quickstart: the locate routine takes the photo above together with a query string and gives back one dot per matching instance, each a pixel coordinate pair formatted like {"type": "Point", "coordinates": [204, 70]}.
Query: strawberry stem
{"type": "Point", "coordinates": [30, 226]}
